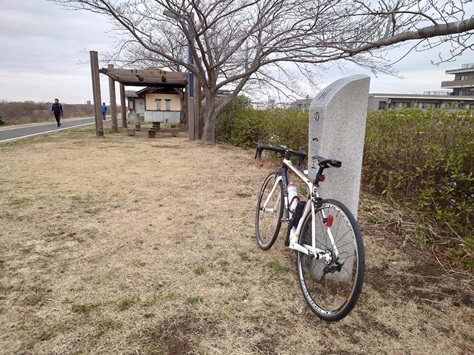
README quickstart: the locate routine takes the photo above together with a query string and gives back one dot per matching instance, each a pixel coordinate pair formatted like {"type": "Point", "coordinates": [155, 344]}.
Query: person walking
{"type": "Point", "coordinates": [104, 110]}
{"type": "Point", "coordinates": [57, 109]}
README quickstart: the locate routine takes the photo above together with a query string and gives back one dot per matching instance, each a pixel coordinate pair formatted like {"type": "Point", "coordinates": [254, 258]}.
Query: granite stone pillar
{"type": "Point", "coordinates": [336, 130]}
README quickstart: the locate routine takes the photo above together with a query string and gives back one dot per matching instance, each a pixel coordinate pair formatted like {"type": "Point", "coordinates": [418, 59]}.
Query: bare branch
{"type": "Point", "coordinates": [236, 43]}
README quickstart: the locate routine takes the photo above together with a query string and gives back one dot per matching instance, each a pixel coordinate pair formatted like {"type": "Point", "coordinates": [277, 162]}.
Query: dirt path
{"type": "Point", "coordinates": [131, 245]}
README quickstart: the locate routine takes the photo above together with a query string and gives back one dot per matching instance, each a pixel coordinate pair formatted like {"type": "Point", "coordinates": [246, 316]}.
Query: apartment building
{"type": "Point", "coordinates": [463, 83]}
{"type": "Point", "coordinates": [461, 96]}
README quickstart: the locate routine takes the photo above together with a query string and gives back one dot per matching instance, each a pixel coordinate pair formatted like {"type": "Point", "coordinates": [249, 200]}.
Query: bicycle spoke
{"type": "Point", "coordinates": [332, 290]}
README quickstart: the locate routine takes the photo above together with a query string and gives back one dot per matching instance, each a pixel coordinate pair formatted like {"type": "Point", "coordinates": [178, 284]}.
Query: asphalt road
{"type": "Point", "coordinates": [10, 134]}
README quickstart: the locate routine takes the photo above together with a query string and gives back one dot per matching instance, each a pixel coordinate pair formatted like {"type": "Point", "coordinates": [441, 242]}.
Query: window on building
{"type": "Point", "coordinates": [429, 105]}
{"type": "Point", "coordinates": [382, 105]}
{"type": "Point", "coordinates": [401, 104]}
{"type": "Point", "coordinates": [168, 104]}
{"type": "Point", "coordinates": [158, 104]}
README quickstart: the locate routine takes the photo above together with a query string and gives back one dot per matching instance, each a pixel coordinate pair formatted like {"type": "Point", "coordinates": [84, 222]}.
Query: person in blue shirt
{"type": "Point", "coordinates": [57, 109]}
{"type": "Point", "coordinates": [104, 110]}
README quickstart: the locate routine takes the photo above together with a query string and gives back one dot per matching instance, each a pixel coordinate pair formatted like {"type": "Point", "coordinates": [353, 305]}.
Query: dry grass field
{"type": "Point", "coordinates": [132, 245]}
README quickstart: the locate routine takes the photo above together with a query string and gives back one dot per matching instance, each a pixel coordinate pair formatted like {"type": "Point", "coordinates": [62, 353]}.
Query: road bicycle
{"type": "Point", "coordinates": [323, 232]}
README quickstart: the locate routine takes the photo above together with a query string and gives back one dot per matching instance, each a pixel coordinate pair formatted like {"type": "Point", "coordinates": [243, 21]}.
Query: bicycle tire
{"type": "Point", "coordinates": [330, 293]}
{"type": "Point", "coordinates": [268, 223]}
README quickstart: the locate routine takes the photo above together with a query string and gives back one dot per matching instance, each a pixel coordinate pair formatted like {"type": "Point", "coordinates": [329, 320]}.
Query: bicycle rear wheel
{"type": "Point", "coordinates": [269, 212]}
{"type": "Point", "coordinates": [332, 290]}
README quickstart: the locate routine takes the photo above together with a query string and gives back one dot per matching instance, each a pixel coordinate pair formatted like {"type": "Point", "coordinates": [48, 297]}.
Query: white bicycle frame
{"type": "Point", "coordinates": [309, 208]}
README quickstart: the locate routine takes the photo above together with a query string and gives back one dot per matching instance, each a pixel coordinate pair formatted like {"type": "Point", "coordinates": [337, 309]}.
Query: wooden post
{"type": "Point", "coordinates": [99, 126]}
{"type": "Point", "coordinates": [123, 106]}
{"type": "Point", "coordinates": [113, 102]}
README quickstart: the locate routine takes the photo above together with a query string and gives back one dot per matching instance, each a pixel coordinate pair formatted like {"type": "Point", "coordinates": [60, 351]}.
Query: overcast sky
{"type": "Point", "coordinates": [44, 54]}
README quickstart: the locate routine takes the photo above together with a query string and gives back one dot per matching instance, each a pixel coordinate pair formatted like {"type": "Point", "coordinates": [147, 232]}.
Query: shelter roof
{"type": "Point", "coordinates": [146, 77]}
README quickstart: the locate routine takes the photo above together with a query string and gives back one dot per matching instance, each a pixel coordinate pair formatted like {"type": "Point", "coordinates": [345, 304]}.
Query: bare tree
{"type": "Point", "coordinates": [240, 43]}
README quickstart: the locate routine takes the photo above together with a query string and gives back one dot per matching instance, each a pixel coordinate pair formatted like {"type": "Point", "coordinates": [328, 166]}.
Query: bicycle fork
{"type": "Point", "coordinates": [267, 200]}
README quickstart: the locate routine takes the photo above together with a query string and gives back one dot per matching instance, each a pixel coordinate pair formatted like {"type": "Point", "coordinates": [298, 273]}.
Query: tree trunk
{"type": "Point", "coordinates": [209, 115]}
{"type": "Point", "coordinates": [209, 132]}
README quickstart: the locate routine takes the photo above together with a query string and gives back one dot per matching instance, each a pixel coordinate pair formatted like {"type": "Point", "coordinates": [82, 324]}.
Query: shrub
{"type": "Point", "coordinates": [243, 126]}
{"type": "Point", "coordinates": [424, 160]}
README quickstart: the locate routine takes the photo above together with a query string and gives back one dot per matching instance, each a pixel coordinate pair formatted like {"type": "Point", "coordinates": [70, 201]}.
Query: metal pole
{"type": "Point", "coordinates": [99, 127]}
{"type": "Point", "coordinates": [191, 111]}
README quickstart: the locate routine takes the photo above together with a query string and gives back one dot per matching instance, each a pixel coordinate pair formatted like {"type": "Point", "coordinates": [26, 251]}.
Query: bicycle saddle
{"type": "Point", "coordinates": [326, 163]}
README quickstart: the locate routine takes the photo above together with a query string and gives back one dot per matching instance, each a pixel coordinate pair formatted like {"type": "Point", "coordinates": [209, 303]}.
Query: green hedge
{"type": "Point", "coordinates": [421, 160]}
{"type": "Point", "coordinates": [424, 160]}
{"type": "Point", "coordinates": [243, 126]}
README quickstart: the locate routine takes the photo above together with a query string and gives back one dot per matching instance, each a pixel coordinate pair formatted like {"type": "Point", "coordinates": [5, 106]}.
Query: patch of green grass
{"type": "Point", "coordinates": [85, 308]}
{"type": "Point", "coordinates": [36, 296]}
{"type": "Point", "coordinates": [370, 218]}
{"type": "Point", "coordinates": [302, 191]}
{"type": "Point", "coordinates": [18, 202]}
{"type": "Point", "coordinates": [224, 265]}
{"type": "Point", "coordinates": [127, 303]}
{"type": "Point", "coordinates": [277, 268]}
{"type": "Point", "coordinates": [150, 301]}
{"type": "Point", "coordinates": [109, 325]}
{"type": "Point", "coordinates": [171, 146]}
{"type": "Point", "coordinates": [194, 300]}
{"type": "Point", "coordinates": [82, 199]}
{"type": "Point", "coordinates": [160, 285]}
{"type": "Point", "coordinates": [137, 263]}
{"type": "Point", "coordinates": [199, 271]}
{"type": "Point", "coordinates": [45, 335]}
{"type": "Point", "coordinates": [170, 296]}
{"type": "Point", "coordinates": [420, 238]}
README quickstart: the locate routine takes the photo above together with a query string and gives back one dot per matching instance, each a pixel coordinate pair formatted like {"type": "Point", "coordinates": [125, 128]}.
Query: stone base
{"type": "Point", "coordinates": [130, 131]}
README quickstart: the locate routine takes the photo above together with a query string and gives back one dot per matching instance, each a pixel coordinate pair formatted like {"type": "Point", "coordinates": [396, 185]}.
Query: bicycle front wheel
{"type": "Point", "coordinates": [269, 211]}
{"type": "Point", "coordinates": [332, 289]}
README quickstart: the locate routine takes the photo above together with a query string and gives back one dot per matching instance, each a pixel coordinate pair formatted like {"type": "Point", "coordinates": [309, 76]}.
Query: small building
{"type": "Point", "coordinates": [157, 104]}
{"type": "Point", "coordinates": [302, 104]}
{"type": "Point", "coordinates": [135, 103]}
{"type": "Point", "coordinates": [161, 99]}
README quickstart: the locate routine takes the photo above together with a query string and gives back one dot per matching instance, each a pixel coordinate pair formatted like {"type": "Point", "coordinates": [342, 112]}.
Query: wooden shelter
{"type": "Point", "coordinates": [151, 77]}
{"type": "Point", "coordinates": [146, 77]}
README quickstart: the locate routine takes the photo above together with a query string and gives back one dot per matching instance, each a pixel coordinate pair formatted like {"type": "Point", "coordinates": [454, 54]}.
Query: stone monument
{"type": "Point", "coordinates": [337, 130]}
